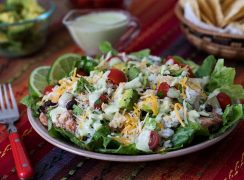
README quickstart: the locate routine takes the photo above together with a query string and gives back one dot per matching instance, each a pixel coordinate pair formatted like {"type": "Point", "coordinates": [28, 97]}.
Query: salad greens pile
{"type": "Point", "coordinates": [16, 35]}
{"type": "Point", "coordinates": [135, 103]}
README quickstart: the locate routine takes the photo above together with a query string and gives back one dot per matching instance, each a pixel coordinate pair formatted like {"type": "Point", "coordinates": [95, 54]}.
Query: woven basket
{"type": "Point", "coordinates": [219, 44]}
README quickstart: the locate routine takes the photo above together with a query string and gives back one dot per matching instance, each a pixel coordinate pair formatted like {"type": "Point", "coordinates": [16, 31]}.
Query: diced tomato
{"type": "Point", "coordinates": [48, 89]}
{"type": "Point", "coordinates": [116, 76]}
{"type": "Point", "coordinates": [81, 72]}
{"type": "Point", "coordinates": [154, 140]}
{"type": "Point", "coordinates": [224, 100]}
{"type": "Point", "coordinates": [242, 101]}
{"type": "Point", "coordinates": [163, 90]}
{"type": "Point", "coordinates": [103, 99]}
{"type": "Point", "coordinates": [191, 75]}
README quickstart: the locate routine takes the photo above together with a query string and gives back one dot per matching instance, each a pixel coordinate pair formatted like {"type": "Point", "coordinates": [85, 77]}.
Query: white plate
{"type": "Point", "coordinates": [42, 131]}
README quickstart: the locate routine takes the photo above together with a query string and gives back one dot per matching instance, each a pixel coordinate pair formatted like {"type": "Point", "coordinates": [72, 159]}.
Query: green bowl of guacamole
{"type": "Point", "coordinates": [23, 26]}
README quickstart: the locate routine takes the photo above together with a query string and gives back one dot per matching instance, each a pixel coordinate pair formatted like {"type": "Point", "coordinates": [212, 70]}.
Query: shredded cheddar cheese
{"type": "Point", "coordinates": [177, 107]}
{"type": "Point", "coordinates": [182, 82]}
{"type": "Point", "coordinates": [122, 140]}
{"type": "Point", "coordinates": [153, 102]}
{"type": "Point", "coordinates": [130, 126]}
{"type": "Point", "coordinates": [74, 74]}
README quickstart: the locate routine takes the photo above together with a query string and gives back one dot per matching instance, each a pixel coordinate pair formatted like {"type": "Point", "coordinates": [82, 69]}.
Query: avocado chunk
{"type": "Point", "coordinates": [146, 108]}
{"type": "Point", "coordinates": [129, 98]}
{"type": "Point", "coordinates": [132, 73]}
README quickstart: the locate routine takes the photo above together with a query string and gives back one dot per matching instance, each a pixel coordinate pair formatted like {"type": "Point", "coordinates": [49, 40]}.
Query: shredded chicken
{"type": "Point", "coordinates": [67, 122]}
{"type": "Point", "coordinates": [43, 119]}
{"type": "Point", "coordinates": [212, 122]}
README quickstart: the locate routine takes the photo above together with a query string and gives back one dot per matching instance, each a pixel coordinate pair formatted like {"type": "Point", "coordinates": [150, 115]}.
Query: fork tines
{"type": "Point", "coordinates": [7, 99]}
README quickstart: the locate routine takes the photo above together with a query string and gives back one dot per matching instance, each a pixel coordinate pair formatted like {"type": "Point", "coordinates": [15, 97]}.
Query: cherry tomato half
{"type": "Point", "coordinates": [116, 76]}
{"type": "Point", "coordinates": [154, 140]}
{"type": "Point", "coordinates": [48, 89]}
{"type": "Point", "coordinates": [103, 99]}
{"type": "Point", "coordinates": [163, 90]}
{"type": "Point", "coordinates": [224, 100]}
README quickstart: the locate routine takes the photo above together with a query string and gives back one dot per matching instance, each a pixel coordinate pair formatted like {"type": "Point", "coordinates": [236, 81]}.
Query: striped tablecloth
{"type": "Point", "coordinates": [161, 33]}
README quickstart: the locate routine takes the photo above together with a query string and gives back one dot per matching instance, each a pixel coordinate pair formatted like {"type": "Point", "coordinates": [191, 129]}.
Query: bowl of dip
{"type": "Point", "coordinates": [89, 28]}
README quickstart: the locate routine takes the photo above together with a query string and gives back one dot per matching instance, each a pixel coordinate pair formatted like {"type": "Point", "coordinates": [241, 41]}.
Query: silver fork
{"type": "Point", "coordinates": [8, 115]}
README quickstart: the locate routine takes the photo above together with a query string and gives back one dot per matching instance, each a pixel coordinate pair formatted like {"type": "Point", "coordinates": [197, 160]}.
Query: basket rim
{"type": "Point", "coordinates": [181, 17]}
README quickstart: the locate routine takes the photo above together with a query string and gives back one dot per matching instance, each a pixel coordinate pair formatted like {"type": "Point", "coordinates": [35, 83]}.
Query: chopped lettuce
{"type": "Point", "coordinates": [77, 110]}
{"type": "Point", "coordinates": [150, 123]}
{"type": "Point", "coordinates": [232, 115]}
{"type": "Point", "coordinates": [141, 54]}
{"type": "Point", "coordinates": [123, 149]}
{"type": "Point", "coordinates": [83, 85]}
{"type": "Point", "coordinates": [207, 67]}
{"type": "Point", "coordinates": [31, 102]}
{"type": "Point", "coordinates": [183, 137]}
{"type": "Point", "coordinates": [235, 91]}
{"type": "Point", "coordinates": [106, 47]}
{"type": "Point", "coordinates": [221, 76]}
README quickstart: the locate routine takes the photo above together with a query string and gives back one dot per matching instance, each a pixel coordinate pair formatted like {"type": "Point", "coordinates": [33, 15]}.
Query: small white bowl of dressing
{"type": "Point", "coordinates": [90, 27]}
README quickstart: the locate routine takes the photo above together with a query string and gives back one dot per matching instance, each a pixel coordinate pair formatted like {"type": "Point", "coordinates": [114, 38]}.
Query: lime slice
{"type": "Point", "coordinates": [38, 80]}
{"type": "Point", "coordinates": [62, 67]}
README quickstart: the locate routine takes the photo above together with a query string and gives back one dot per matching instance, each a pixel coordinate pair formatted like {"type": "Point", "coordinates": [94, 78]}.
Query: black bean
{"type": "Point", "coordinates": [70, 104]}
{"type": "Point", "coordinates": [49, 103]}
{"type": "Point", "coordinates": [84, 138]}
{"type": "Point", "coordinates": [208, 108]}
{"type": "Point", "coordinates": [42, 109]}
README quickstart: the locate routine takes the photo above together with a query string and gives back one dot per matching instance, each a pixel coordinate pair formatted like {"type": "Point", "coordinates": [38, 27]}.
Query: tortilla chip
{"type": "Point", "coordinates": [226, 4]}
{"type": "Point", "coordinates": [238, 26]}
{"type": "Point", "coordinates": [236, 11]}
{"type": "Point", "coordinates": [216, 8]}
{"type": "Point", "coordinates": [195, 7]}
{"type": "Point", "coordinates": [206, 12]}
{"type": "Point", "coordinates": [205, 19]}
{"type": "Point", "coordinates": [182, 3]}
{"type": "Point", "coordinates": [193, 4]}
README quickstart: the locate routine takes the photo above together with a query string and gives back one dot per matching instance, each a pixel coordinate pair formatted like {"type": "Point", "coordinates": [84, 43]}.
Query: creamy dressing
{"type": "Point", "coordinates": [91, 29]}
{"type": "Point", "coordinates": [55, 113]}
{"type": "Point", "coordinates": [142, 142]}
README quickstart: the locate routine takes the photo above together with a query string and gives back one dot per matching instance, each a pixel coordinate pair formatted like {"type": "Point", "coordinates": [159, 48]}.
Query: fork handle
{"type": "Point", "coordinates": [22, 162]}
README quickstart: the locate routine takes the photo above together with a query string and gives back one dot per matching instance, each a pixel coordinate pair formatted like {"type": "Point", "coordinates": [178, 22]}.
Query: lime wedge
{"type": "Point", "coordinates": [62, 67]}
{"type": "Point", "coordinates": [38, 80]}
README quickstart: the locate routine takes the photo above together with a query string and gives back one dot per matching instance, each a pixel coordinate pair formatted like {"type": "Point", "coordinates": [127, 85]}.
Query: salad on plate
{"type": "Point", "coordinates": [134, 103]}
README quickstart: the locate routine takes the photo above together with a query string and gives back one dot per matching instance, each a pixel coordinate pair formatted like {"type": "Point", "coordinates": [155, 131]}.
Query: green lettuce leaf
{"type": "Point", "coordinates": [100, 139]}
{"type": "Point", "coordinates": [106, 47]}
{"type": "Point", "coordinates": [185, 135]}
{"type": "Point", "coordinates": [77, 110]}
{"type": "Point", "coordinates": [221, 76]}
{"type": "Point", "coordinates": [207, 67]}
{"type": "Point", "coordinates": [32, 103]}
{"type": "Point", "coordinates": [235, 91]}
{"type": "Point", "coordinates": [125, 150]}
{"type": "Point", "coordinates": [182, 137]}
{"type": "Point", "coordinates": [83, 85]}
{"type": "Point", "coordinates": [141, 54]}
{"type": "Point", "coordinates": [232, 115]}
